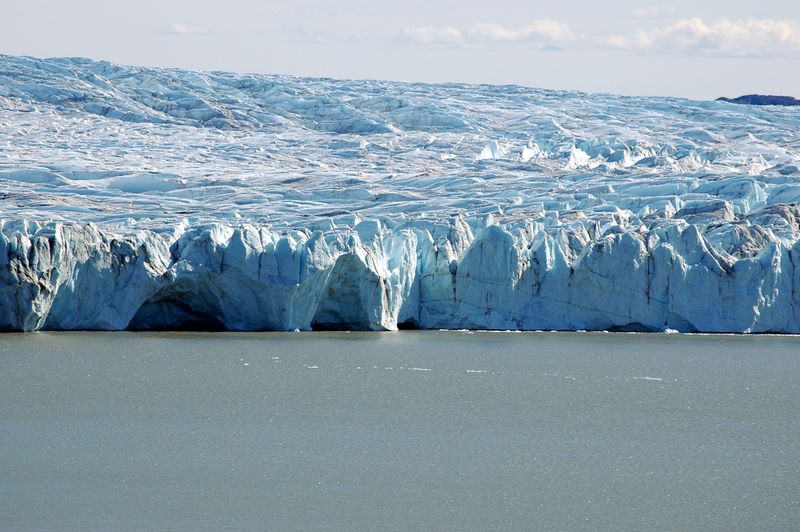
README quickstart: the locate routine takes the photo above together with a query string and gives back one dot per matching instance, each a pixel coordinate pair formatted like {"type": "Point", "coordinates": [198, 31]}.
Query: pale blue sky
{"type": "Point", "coordinates": [683, 48]}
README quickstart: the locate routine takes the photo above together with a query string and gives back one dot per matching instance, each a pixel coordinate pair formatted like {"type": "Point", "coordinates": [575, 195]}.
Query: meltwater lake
{"type": "Point", "coordinates": [407, 430]}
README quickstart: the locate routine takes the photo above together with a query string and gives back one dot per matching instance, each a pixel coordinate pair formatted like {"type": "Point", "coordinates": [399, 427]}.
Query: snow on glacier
{"type": "Point", "coordinates": [160, 198]}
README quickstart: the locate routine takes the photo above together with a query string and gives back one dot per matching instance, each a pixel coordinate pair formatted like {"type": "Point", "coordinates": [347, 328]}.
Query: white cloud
{"type": "Point", "coordinates": [739, 38]}
{"type": "Point", "coordinates": [183, 30]}
{"type": "Point", "coordinates": [542, 33]}
{"type": "Point", "coordinates": [431, 35]}
{"type": "Point", "coordinates": [653, 12]}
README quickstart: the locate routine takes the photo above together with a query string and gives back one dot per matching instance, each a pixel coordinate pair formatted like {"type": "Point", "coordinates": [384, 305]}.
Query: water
{"type": "Point", "coordinates": [428, 430]}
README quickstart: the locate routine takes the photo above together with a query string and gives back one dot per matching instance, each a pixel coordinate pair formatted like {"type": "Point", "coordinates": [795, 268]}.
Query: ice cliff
{"type": "Point", "coordinates": [135, 198]}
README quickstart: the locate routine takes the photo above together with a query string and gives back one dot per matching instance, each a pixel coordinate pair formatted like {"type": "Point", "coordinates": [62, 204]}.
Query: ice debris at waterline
{"type": "Point", "coordinates": [156, 199]}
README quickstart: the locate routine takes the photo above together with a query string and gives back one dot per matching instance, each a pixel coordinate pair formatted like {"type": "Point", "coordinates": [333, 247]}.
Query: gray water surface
{"type": "Point", "coordinates": [421, 430]}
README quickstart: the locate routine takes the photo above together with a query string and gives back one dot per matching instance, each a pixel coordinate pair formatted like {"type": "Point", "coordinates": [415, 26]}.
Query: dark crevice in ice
{"type": "Point", "coordinates": [173, 315]}
{"type": "Point", "coordinates": [408, 325]}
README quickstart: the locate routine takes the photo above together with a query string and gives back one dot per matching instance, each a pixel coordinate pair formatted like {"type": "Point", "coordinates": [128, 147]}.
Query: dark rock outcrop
{"type": "Point", "coordinates": [761, 99]}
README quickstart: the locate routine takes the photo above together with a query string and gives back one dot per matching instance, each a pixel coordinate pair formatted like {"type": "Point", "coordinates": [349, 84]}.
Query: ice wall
{"type": "Point", "coordinates": [463, 274]}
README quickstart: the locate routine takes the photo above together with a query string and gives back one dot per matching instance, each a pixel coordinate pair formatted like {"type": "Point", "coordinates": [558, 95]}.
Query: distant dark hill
{"type": "Point", "coordinates": [761, 99]}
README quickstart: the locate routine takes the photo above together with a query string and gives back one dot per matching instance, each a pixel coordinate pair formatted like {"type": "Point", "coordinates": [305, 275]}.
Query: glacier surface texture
{"type": "Point", "coordinates": [138, 198]}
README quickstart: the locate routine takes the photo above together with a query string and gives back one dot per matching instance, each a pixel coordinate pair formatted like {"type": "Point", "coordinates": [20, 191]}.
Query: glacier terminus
{"type": "Point", "coordinates": [141, 198]}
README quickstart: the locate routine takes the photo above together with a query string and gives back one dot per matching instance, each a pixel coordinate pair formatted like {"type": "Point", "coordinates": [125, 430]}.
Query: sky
{"type": "Point", "coordinates": [682, 48]}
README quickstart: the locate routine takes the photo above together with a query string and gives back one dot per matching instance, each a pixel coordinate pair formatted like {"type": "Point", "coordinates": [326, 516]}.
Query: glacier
{"type": "Point", "coordinates": [145, 199]}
